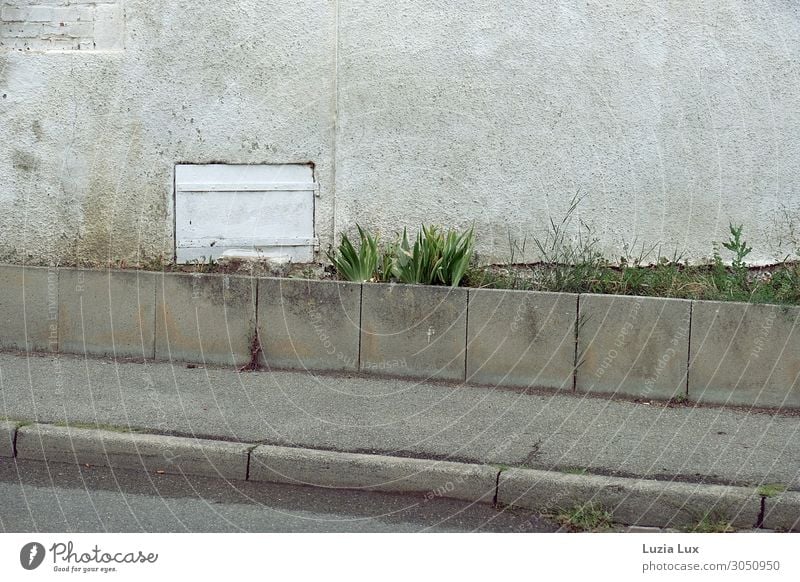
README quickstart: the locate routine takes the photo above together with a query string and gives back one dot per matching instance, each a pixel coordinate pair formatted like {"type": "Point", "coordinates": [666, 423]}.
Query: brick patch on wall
{"type": "Point", "coordinates": [44, 25]}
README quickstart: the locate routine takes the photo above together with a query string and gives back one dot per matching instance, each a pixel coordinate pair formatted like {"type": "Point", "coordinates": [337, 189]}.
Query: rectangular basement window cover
{"type": "Point", "coordinates": [266, 210]}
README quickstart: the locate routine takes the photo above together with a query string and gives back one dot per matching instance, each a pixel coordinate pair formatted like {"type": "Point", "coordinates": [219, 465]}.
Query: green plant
{"type": "Point", "coordinates": [575, 265]}
{"type": "Point", "coordinates": [707, 524]}
{"type": "Point", "coordinates": [204, 265]}
{"type": "Point", "coordinates": [421, 262]}
{"type": "Point", "coordinates": [386, 264]}
{"type": "Point", "coordinates": [738, 247]}
{"type": "Point", "coordinates": [156, 263]}
{"type": "Point", "coordinates": [357, 265]}
{"type": "Point", "coordinates": [585, 517]}
{"type": "Point", "coordinates": [771, 489]}
{"type": "Point", "coordinates": [679, 399]}
{"type": "Point", "coordinates": [457, 251]}
{"type": "Point", "coordinates": [435, 257]}
{"type": "Point", "coordinates": [572, 266]}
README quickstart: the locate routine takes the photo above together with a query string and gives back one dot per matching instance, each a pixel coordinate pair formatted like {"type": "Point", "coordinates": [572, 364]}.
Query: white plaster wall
{"type": "Point", "coordinates": [672, 118]}
{"type": "Point", "coordinates": [89, 139]}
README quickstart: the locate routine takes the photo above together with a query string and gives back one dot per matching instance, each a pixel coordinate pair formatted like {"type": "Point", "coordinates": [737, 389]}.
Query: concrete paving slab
{"type": "Point", "coordinates": [205, 319]}
{"type": "Point", "coordinates": [309, 325]}
{"type": "Point", "coordinates": [633, 346]}
{"type": "Point", "coordinates": [29, 308]}
{"type": "Point", "coordinates": [177, 455]}
{"type": "Point", "coordinates": [413, 331]}
{"type": "Point", "coordinates": [106, 313]}
{"type": "Point", "coordinates": [333, 469]}
{"type": "Point", "coordinates": [521, 338]}
{"type": "Point", "coordinates": [8, 431]}
{"type": "Point", "coordinates": [630, 501]}
{"type": "Point", "coordinates": [744, 354]}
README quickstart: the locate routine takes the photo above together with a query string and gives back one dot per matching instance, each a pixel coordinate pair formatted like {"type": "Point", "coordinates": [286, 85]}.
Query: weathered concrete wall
{"type": "Point", "coordinates": [89, 138]}
{"type": "Point", "coordinates": [671, 118]}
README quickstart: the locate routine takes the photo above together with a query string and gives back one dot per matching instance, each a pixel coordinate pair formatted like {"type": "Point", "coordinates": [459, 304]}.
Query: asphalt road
{"type": "Point", "coordinates": [35, 497]}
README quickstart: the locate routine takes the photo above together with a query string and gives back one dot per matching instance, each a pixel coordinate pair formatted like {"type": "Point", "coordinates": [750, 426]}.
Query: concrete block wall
{"type": "Point", "coordinates": [633, 346]}
{"type": "Point", "coordinates": [43, 25]}
{"type": "Point", "coordinates": [642, 348]}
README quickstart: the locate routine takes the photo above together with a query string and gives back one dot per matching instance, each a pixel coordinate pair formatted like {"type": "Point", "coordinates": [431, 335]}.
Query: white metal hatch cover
{"type": "Point", "coordinates": [265, 208]}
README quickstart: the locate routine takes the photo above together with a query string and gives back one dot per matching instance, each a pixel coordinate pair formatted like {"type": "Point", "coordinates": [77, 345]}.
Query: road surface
{"type": "Point", "coordinates": [64, 498]}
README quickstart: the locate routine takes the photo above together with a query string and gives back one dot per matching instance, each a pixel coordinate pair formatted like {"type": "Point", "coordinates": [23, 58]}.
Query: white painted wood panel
{"type": "Point", "coordinates": [266, 208]}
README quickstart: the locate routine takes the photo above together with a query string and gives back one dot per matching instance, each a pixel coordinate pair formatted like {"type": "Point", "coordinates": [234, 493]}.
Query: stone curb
{"type": "Point", "coordinates": [8, 432]}
{"type": "Point", "coordinates": [155, 453]}
{"type": "Point", "coordinates": [783, 511]}
{"type": "Point", "coordinates": [645, 502]}
{"type": "Point", "coordinates": [738, 353]}
{"type": "Point", "coordinates": [635, 502]}
{"type": "Point", "coordinates": [332, 469]}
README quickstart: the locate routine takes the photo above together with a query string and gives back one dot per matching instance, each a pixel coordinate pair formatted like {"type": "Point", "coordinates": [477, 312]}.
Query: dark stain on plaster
{"type": "Point", "coordinates": [108, 208]}
{"type": "Point", "coordinates": [24, 161]}
{"type": "Point", "coordinates": [38, 132]}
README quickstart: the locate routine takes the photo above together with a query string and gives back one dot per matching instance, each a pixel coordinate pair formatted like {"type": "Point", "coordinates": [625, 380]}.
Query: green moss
{"type": "Point", "coordinates": [771, 489]}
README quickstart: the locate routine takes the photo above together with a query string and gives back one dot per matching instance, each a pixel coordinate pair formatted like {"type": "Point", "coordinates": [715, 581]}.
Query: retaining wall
{"type": "Point", "coordinates": [637, 347]}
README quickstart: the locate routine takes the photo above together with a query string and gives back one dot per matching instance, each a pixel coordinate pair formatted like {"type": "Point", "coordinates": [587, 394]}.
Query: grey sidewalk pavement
{"type": "Point", "coordinates": [407, 418]}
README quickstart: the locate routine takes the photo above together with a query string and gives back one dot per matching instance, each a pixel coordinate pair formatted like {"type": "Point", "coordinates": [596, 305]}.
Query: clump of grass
{"type": "Point", "coordinates": [204, 265]}
{"type": "Point", "coordinates": [156, 263]}
{"type": "Point", "coordinates": [570, 261]}
{"type": "Point", "coordinates": [435, 257]}
{"type": "Point", "coordinates": [573, 263]}
{"type": "Point", "coordinates": [585, 517]}
{"type": "Point", "coordinates": [457, 252]}
{"type": "Point", "coordinates": [709, 525]}
{"type": "Point", "coordinates": [357, 265]}
{"type": "Point", "coordinates": [679, 399]}
{"type": "Point", "coordinates": [421, 262]}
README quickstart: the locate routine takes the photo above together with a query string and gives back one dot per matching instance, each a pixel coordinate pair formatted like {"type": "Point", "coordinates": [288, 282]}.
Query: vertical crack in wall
{"type": "Point", "coordinates": [335, 120]}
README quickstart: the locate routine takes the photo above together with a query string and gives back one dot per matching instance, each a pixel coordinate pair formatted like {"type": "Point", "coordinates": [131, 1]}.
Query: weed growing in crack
{"type": "Point", "coordinates": [585, 517]}
{"type": "Point", "coordinates": [709, 524]}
